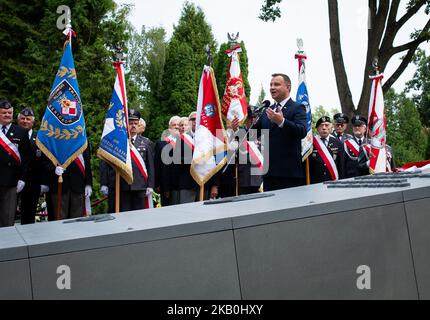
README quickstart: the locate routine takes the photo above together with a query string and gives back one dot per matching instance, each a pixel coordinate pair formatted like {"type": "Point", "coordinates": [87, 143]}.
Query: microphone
{"type": "Point", "coordinates": [265, 104]}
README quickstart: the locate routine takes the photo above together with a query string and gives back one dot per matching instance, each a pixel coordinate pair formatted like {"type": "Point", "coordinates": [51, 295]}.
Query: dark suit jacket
{"type": "Point", "coordinates": [182, 157]}
{"type": "Point", "coordinates": [318, 171]}
{"type": "Point", "coordinates": [73, 179]}
{"type": "Point", "coordinates": [36, 174]}
{"type": "Point", "coordinates": [285, 146]}
{"type": "Point", "coordinates": [108, 176]}
{"type": "Point", "coordinates": [10, 170]}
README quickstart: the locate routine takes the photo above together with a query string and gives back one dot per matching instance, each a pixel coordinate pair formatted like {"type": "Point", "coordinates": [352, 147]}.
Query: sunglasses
{"type": "Point", "coordinates": [193, 119]}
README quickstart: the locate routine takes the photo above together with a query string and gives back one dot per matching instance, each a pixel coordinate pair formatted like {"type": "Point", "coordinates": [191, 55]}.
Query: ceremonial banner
{"type": "Point", "coordinates": [114, 145]}
{"type": "Point", "coordinates": [234, 100]}
{"type": "Point", "coordinates": [303, 98]}
{"type": "Point", "coordinates": [62, 135]}
{"type": "Point", "coordinates": [376, 127]}
{"type": "Point", "coordinates": [210, 148]}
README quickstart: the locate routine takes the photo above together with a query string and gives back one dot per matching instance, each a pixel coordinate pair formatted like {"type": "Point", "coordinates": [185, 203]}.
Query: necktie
{"type": "Point", "coordinates": [359, 142]}
{"type": "Point", "coordinates": [132, 141]}
{"type": "Point", "coordinates": [4, 129]}
{"type": "Point", "coordinates": [324, 140]}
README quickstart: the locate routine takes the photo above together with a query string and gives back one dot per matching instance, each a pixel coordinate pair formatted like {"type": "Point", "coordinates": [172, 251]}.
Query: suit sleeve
{"type": "Point", "coordinates": [297, 126]}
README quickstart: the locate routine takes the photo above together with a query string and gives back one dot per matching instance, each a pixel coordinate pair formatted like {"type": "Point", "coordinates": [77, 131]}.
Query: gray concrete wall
{"type": "Point", "coordinates": [301, 243]}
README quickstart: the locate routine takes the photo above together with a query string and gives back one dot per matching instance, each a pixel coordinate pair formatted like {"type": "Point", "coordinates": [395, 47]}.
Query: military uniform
{"type": "Point", "coordinates": [11, 170]}
{"type": "Point", "coordinates": [318, 169]}
{"type": "Point", "coordinates": [36, 176]}
{"type": "Point", "coordinates": [132, 197]}
{"type": "Point", "coordinates": [343, 119]}
{"type": "Point", "coordinates": [352, 150]}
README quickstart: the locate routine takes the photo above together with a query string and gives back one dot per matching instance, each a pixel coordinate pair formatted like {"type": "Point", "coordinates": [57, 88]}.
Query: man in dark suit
{"type": "Point", "coordinates": [286, 124]}
{"type": "Point", "coordinates": [14, 159]}
{"type": "Point", "coordinates": [132, 197]}
{"type": "Point", "coordinates": [76, 186]}
{"type": "Point", "coordinates": [37, 181]}
{"type": "Point", "coordinates": [326, 161]}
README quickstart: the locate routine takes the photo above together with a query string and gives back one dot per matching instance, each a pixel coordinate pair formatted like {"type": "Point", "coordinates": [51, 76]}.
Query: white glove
{"type": "Point", "coordinates": [104, 190]}
{"type": "Point", "coordinates": [149, 191]}
{"type": "Point", "coordinates": [88, 191]}
{"type": "Point", "coordinates": [59, 170]}
{"type": "Point", "coordinates": [20, 186]}
{"type": "Point", "coordinates": [44, 188]}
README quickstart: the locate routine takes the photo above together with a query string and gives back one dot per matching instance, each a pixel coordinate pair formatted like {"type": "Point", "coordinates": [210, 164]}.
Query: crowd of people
{"type": "Point", "coordinates": [25, 172]}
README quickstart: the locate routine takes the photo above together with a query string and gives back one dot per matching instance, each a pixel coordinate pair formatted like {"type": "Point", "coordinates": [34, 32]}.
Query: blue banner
{"type": "Point", "coordinates": [62, 135]}
{"type": "Point", "coordinates": [114, 145]}
{"type": "Point", "coordinates": [303, 98]}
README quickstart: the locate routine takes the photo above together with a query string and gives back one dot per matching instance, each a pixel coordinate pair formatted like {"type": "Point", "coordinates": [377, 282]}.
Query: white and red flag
{"type": "Point", "coordinates": [376, 127]}
{"type": "Point", "coordinates": [210, 139]}
{"type": "Point", "coordinates": [234, 100]}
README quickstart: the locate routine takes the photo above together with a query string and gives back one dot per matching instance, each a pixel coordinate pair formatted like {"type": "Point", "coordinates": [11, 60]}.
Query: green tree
{"type": "Point", "coordinates": [386, 20]}
{"type": "Point", "coordinates": [146, 60]}
{"type": "Point", "coordinates": [420, 86]}
{"type": "Point", "coordinates": [34, 49]}
{"type": "Point", "coordinates": [185, 58]}
{"type": "Point", "coordinates": [221, 69]}
{"type": "Point", "coordinates": [404, 130]}
{"type": "Point", "coordinates": [261, 98]}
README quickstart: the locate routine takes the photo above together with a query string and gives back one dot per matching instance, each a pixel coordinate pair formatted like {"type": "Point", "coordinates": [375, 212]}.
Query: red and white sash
{"type": "Point", "coordinates": [353, 146]}
{"type": "Point", "coordinates": [79, 161]}
{"type": "Point", "coordinates": [171, 140]}
{"type": "Point", "coordinates": [188, 140]}
{"type": "Point", "coordinates": [10, 147]}
{"type": "Point", "coordinates": [255, 154]}
{"type": "Point", "coordinates": [138, 160]}
{"type": "Point", "coordinates": [326, 157]}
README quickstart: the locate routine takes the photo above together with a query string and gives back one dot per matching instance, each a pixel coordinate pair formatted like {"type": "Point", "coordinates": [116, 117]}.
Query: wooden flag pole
{"type": "Point", "coordinates": [59, 195]}
{"type": "Point", "coordinates": [117, 191]}
{"type": "Point", "coordinates": [202, 192]}
{"type": "Point", "coordinates": [308, 176]}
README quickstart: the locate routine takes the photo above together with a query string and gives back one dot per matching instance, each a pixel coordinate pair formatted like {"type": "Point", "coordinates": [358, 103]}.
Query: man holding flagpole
{"type": "Point", "coordinates": [62, 136]}
{"type": "Point", "coordinates": [286, 123]}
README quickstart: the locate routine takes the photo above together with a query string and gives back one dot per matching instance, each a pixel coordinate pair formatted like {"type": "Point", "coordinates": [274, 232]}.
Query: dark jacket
{"type": "Point", "coordinates": [10, 170]}
{"type": "Point", "coordinates": [108, 176]}
{"type": "Point", "coordinates": [351, 162]}
{"type": "Point", "coordinates": [285, 146]}
{"type": "Point", "coordinates": [318, 170]}
{"type": "Point", "coordinates": [73, 178]}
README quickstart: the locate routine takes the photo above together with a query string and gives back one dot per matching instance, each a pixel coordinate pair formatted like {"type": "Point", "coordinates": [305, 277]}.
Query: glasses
{"type": "Point", "coordinates": [193, 119]}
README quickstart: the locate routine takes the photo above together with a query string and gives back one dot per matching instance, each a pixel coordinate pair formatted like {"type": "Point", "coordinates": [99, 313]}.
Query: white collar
{"type": "Point", "coordinates": [7, 126]}
{"type": "Point", "coordinates": [283, 102]}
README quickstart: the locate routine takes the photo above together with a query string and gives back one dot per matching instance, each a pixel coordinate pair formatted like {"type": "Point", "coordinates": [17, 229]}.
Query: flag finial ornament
{"type": "Point", "coordinates": [232, 39]}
